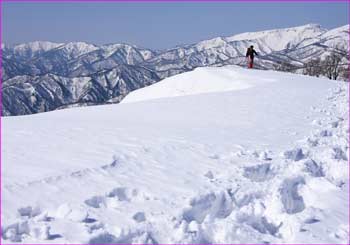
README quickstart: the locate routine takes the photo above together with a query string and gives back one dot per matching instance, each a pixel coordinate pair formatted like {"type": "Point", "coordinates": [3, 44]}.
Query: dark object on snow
{"type": "Point", "coordinates": [250, 55]}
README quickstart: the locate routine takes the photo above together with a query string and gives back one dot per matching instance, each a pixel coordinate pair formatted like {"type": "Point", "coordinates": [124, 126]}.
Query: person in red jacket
{"type": "Point", "coordinates": [250, 56]}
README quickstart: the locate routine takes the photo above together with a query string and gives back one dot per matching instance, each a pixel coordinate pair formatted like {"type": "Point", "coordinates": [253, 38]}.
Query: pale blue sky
{"type": "Point", "coordinates": [158, 25]}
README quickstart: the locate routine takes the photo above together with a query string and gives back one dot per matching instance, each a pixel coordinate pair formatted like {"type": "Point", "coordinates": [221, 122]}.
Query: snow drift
{"type": "Point", "coordinates": [201, 80]}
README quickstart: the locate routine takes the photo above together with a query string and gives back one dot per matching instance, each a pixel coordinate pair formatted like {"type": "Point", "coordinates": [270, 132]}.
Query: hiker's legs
{"type": "Point", "coordinates": [250, 63]}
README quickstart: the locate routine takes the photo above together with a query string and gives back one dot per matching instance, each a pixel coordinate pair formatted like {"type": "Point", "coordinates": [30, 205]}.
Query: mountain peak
{"type": "Point", "coordinates": [310, 25]}
{"type": "Point", "coordinates": [211, 43]}
{"type": "Point", "coordinates": [75, 49]}
{"type": "Point", "coordinates": [36, 46]}
{"type": "Point", "coordinates": [279, 39]}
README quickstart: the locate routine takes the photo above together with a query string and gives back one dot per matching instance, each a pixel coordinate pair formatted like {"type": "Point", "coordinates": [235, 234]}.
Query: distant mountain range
{"type": "Point", "coordinates": [44, 76]}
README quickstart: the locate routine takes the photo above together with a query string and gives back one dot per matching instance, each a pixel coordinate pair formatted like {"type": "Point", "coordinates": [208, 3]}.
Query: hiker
{"type": "Point", "coordinates": [250, 56]}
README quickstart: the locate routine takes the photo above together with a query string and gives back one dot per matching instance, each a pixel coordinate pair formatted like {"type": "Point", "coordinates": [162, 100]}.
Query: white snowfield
{"type": "Point", "coordinates": [231, 156]}
{"type": "Point", "coordinates": [201, 80]}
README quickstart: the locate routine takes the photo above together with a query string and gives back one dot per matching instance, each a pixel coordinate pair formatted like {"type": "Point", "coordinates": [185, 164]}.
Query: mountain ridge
{"type": "Point", "coordinates": [346, 26]}
{"type": "Point", "coordinates": [294, 45]}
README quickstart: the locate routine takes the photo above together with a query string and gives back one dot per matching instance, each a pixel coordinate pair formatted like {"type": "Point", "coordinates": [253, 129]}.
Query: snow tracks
{"type": "Point", "coordinates": [300, 195]}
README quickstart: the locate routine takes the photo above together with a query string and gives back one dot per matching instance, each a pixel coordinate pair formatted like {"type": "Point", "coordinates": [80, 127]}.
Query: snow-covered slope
{"type": "Point", "coordinates": [280, 39]}
{"type": "Point", "coordinates": [263, 164]}
{"type": "Point", "coordinates": [336, 37]}
{"type": "Point", "coordinates": [31, 49]}
{"type": "Point", "coordinates": [201, 80]}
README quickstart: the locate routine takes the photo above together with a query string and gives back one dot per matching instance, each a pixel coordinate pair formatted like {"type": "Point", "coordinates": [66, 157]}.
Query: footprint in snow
{"type": "Point", "coordinates": [139, 217]}
{"type": "Point", "coordinates": [313, 168]}
{"type": "Point", "coordinates": [209, 175]}
{"type": "Point", "coordinates": [111, 199]}
{"type": "Point", "coordinates": [96, 201]}
{"type": "Point", "coordinates": [17, 231]}
{"type": "Point", "coordinates": [295, 154]}
{"type": "Point", "coordinates": [29, 211]}
{"type": "Point", "coordinates": [259, 173]}
{"type": "Point", "coordinates": [215, 205]}
{"type": "Point", "coordinates": [312, 142]}
{"type": "Point", "coordinates": [339, 154]}
{"type": "Point", "coordinates": [123, 194]}
{"type": "Point", "coordinates": [311, 220]}
{"type": "Point", "coordinates": [326, 133]}
{"type": "Point", "coordinates": [215, 157]}
{"type": "Point", "coordinates": [291, 200]}
{"type": "Point", "coordinates": [263, 155]}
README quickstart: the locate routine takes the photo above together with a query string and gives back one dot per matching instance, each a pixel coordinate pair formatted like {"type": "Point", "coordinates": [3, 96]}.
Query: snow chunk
{"type": "Point", "coordinates": [15, 231]}
{"type": "Point", "coordinates": [295, 154]}
{"type": "Point", "coordinates": [78, 215]}
{"type": "Point", "coordinates": [213, 205]}
{"type": "Point", "coordinates": [193, 226]}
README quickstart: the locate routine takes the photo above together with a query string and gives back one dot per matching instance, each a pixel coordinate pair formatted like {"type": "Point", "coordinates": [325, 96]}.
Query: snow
{"type": "Point", "coordinates": [342, 30]}
{"type": "Point", "coordinates": [110, 49]}
{"type": "Point", "coordinates": [36, 46]}
{"type": "Point", "coordinates": [212, 43]}
{"type": "Point", "coordinates": [311, 28]}
{"type": "Point", "coordinates": [77, 85]}
{"type": "Point", "coordinates": [146, 54]}
{"type": "Point", "coordinates": [280, 39]}
{"type": "Point", "coordinates": [201, 80]}
{"type": "Point", "coordinates": [75, 49]}
{"type": "Point", "coordinates": [131, 50]}
{"type": "Point", "coordinates": [337, 38]}
{"type": "Point", "coordinates": [235, 156]}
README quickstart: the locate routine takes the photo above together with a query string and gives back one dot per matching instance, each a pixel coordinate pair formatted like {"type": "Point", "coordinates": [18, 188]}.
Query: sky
{"type": "Point", "coordinates": [158, 25]}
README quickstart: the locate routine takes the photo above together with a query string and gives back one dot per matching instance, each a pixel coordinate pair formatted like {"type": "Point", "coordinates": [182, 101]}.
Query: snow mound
{"type": "Point", "coordinates": [200, 81]}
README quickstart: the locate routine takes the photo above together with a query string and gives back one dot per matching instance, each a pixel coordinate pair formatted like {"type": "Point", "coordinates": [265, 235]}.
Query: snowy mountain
{"type": "Point", "coordinates": [29, 50]}
{"type": "Point", "coordinates": [218, 155]}
{"type": "Point", "coordinates": [273, 46]}
{"type": "Point", "coordinates": [71, 59]}
{"type": "Point", "coordinates": [31, 94]}
{"type": "Point", "coordinates": [294, 46]}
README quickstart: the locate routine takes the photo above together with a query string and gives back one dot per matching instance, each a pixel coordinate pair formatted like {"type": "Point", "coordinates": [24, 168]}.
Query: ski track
{"type": "Point", "coordinates": [264, 203]}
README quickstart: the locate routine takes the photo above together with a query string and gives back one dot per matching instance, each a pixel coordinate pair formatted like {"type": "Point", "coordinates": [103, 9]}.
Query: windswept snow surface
{"type": "Point", "coordinates": [246, 157]}
{"type": "Point", "coordinates": [201, 80]}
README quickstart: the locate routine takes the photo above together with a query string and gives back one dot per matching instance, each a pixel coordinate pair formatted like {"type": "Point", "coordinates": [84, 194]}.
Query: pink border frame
{"type": "Point", "coordinates": [174, 1]}
{"type": "Point", "coordinates": [1, 1]}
